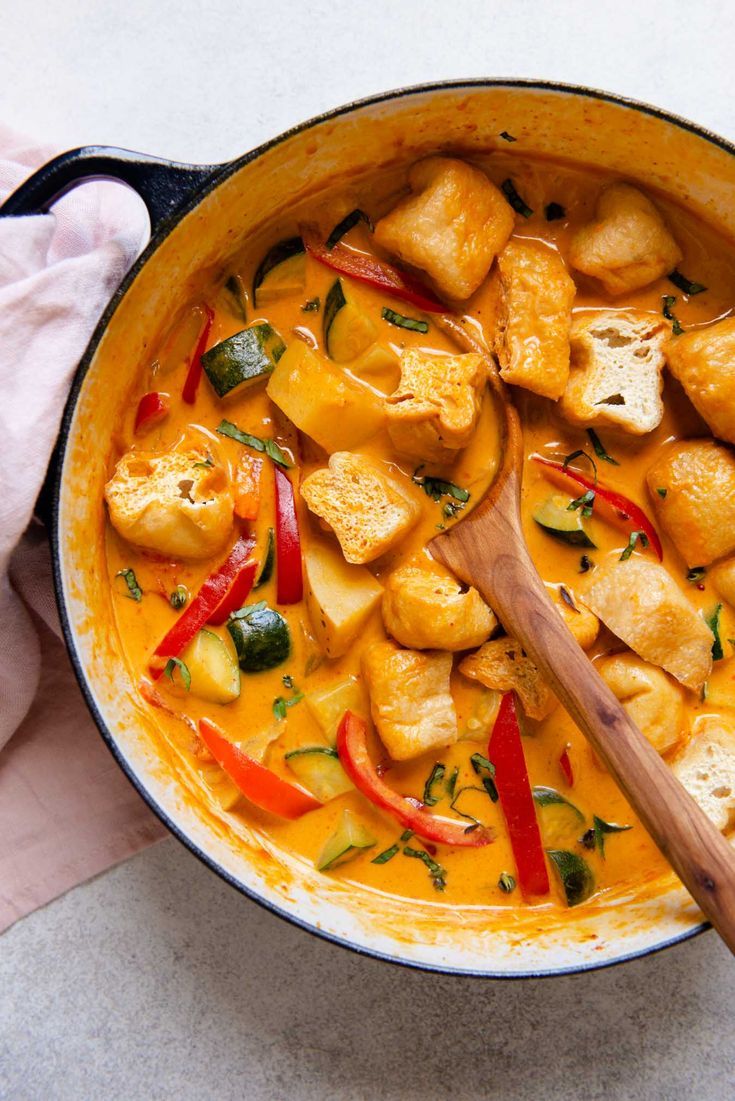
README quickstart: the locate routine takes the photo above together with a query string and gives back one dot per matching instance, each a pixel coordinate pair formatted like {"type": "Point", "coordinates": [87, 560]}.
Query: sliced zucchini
{"type": "Point", "coordinates": [328, 705]}
{"type": "Point", "coordinates": [282, 271]}
{"type": "Point", "coordinates": [575, 875]}
{"type": "Point", "coordinates": [317, 767]}
{"type": "Point", "coordinates": [261, 636]}
{"type": "Point", "coordinates": [347, 842]}
{"type": "Point", "coordinates": [559, 819]}
{"type": "Point", "coordinates": [348, 331]}
{"type": "Point", "coordinates": [243, 360]}
{"type": "Point", "coordinates": [212, 665]}
{"type": "Point", "coordinates": [557, 520]}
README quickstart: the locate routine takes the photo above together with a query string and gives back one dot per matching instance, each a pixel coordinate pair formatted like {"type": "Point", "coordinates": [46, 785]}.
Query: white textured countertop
{"type": "Point", "coordinates": [157, 980]}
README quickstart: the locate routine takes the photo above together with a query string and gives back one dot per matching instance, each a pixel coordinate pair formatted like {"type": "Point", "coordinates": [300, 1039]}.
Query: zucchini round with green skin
{"type": "Point", "coordinates": [576, 876]}
{"type": "Point", "coordinates": [347, 841]}
{"type": "Point", "coordinates": [212, 666]}
{"type": "Point", "coordinates": [318, 769]}
{"type": "Point", "coordinates": [281, 271]}
{"type": "Point", "coordinates": [244, 359]}
{"type": "Point", "coordinates": [560, 819]}
{"type": "Point", "coordinates": [561, 522]}
{"type": "Point", "coordinates": [348, 331]}
{"type": "Point", "coordinates": [261, 636]}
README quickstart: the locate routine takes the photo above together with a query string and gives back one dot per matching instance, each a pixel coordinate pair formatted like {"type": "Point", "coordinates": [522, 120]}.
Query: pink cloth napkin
{"type": "Point", "coordinates": [66, 810]}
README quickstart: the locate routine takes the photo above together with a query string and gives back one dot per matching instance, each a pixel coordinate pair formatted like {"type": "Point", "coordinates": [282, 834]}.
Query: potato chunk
{"type": "Point", "coordinates": [698, 508]}
{"type": "Point", "coordinates": [339, 596]}
{"type": "Point", "coordinates": [410, 700]}
{"type": "Point", "coordinates": [367, 509]}
{"type": "Point", "coordinates": [534, 318]}
{"type": "Point", "coordinates": [170, 502]}
{"type": "Point", "coordinates": [503, 666]}
{"type": "Point", "coordinates": [722, 577]}
{"type": "Point", "coordinates": [452, 226]}
{"type": "Point", "coordinates": [434, 411]}
{"type": "Point", "coordinates": [653, 701]}
{"type": "Point", "coordinates": [628, 245]}
{"type": "Point", "coordinates": [702, 360]}
{"type": "Point", "coordinates": [427, 609]}
{"type": "Point", "coordinates": [615, 379]}
{"type": "Point", "coordinates": [706, 768]}
{"type": "Point", "coordinates": [335, 409]}
{"type": "Point", "coordinates": [645, 608]}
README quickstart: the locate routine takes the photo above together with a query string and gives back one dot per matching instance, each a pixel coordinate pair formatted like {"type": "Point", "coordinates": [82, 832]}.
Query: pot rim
{"type": "Point", "coordinates": [218, 176]}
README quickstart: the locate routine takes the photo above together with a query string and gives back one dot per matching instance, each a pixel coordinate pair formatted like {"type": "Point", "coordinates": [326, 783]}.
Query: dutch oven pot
{"type": "Point", "coordinates": [199, 216]}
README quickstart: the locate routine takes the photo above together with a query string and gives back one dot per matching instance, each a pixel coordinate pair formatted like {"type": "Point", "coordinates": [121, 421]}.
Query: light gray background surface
{"type": "Point", "coordinates": [157, 980]}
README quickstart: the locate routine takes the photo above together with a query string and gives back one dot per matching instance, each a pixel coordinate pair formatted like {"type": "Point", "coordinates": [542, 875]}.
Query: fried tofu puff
{"type": "Point", "coordinates": [451, 227]}
{"type": "Point", "coordinates": [628, 245]}
{"type": "Point", "coordinates": [171, 503]}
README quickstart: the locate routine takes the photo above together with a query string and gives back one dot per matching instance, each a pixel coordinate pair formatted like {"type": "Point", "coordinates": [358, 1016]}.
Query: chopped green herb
{"type": "Point", "coordinates": [575, 875]}
{"type": "Point", "coordinates": [437, 874]}
{"type": "Point", "coordinates": [348, 222]}
{"type": "Point", "coordinates": [586, 502]}
{"type": "Point", "coordinates": [287, 681]}
{"type": "Point", "coordinates": [209, 461]}
{"type": "Point", "coordinates": [437, 774]}
{"type": "Point", "coordinates": [269, 447]}
{"type": "Point", "coordinates": [568, 599]}
{"type": "Point", "coordinates": [281, 705]}
{"type": "Point", "coordinates": [712, 619]}
{"type": "Point", "coordinates": [635, 537]}
{"type": "Point", "coordinates": [436, 488]}
{"type": "Point", "coordinates": [486, 771]}
{"type": "Point", "coordinates": [464, 814]}
{"type": "Point", "coordinates": [386, 855]}
{"type": "Point", "coordinates": [406, 836]}
{"type": "Point", "coordinates": [234, 287]}
{"type": "Point", "coordinates": [171, 666]}
{"type": "Point", "coordinates": [266, 570]}
{"type": "Point", "coordinates": [580, 454]}
{"type": "Point", "coordinates": [585, 564]}
{"type": "Point", "coordinates": [309, 750]}
{"type": "Point", "coordinates": [696, 573]}
{"type": "Point", "coordinates": [179, 597]}
{"type": "Point", "coordinates": [312, 306]}
{"type": "Point", "coordinates": [547, 797]}
{"type": "Point", "coordinates": [134, 590]}
{"type": "Point", "coordinates": [451, 783]}
{"type": "Point", "coordinates": [509, 190]}
{"type": "Point", "coordinates": [554, 211]}
{"type": "Point", "coordinates": [669, 301]}
{"type": "Point", "coordinates": [684, 284]}
{"type": "Point", "coordinates": [507, 882]}
{"type": "Point", "coordinates": [662, 491]}
{"type": "Point", "coordinates": [403, 322]}
{"type": "Point", "coordinates": [595, 837]}
{"type": "Point", "coordinates": [599, 449]}
{"type": "Point", "coordinates": [506, 136]}
{"type": "Point", "coordinates": [249, 610]}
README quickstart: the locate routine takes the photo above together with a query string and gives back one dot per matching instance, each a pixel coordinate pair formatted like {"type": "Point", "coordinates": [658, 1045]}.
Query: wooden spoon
{"type": "Point", "coordinates": [488, 550]}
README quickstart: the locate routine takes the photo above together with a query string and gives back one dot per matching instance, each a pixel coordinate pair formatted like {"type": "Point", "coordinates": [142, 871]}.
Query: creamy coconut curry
{"type": "Point", "coordinates": [305, 427]}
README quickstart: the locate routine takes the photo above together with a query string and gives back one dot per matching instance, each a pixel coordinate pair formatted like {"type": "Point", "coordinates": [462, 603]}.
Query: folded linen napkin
{"type": "Point", "coordinates": [66, 811]}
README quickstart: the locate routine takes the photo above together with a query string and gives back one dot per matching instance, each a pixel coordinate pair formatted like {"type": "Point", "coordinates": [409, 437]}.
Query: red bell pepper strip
{"type": "Point", "coordinates": [257, 783]}
{"type": "Point", "coordinates": [374, 272]}
{"type": "Point", "coordinates": [565, 764]}
{"type": "Point", "coordinates": [290, 580]}
{"type": "Point", "coordinates": [204, 604]}
{"type": "Point", "coordinates": [237, 595]}
{"type": "Point", "coordinates": [617, 508]}
{"type": "Point", "coordinates": [353, 755]}
{"type": "Point", "coordinates": [516, 799]}
{"type": "Point", "coordinates": [194, 373]}
{"type": "Point", "coordinates": [152, 409]}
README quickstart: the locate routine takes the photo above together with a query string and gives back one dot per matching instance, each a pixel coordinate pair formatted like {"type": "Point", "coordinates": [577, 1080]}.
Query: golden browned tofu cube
{"type": "Point", "coordinates": [703, 361]}
{"type": "Point", "coordinates": [503, 666]}
{"type": "Point", "coordinates": [410, 700]}
{"type": "Point", "coordinates": [427, 609]}
{"type": "Point", "coordinates": [534, 318]}
{"type": "Point", "coordinates": [434, 411]}
{"type": "Point", "coordinates": [616, 372]}
{"type": "Point", "coordinates": [645, 608]}
{"type": "Point", "coordinates": [171, 502]}
{"type": "Point", "coordinates": [706, 768]}
{"type": "Point", "coordinates": [697, 509]}
{"type": "Point", "coordinates": [367, 509]}
{"type": "Point", "coordinates": [653, 701]}
{"type": "Point", "coordinates": [628, 245]}
{"type": "Point", "coordinates": [452, 226]}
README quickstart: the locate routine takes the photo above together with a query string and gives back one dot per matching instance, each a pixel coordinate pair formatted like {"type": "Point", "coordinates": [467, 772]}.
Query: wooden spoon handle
{"type": "Point", "coordinates": [699, 854]}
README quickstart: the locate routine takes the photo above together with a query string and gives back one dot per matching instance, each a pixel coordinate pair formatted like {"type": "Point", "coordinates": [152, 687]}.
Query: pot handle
{"type": "Point", "coordinates": [164, 186]}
